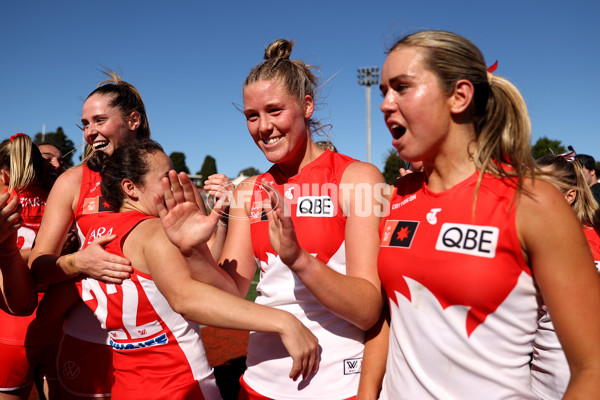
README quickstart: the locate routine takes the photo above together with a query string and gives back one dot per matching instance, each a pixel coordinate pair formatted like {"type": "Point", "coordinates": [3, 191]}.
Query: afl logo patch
{"type": "Point", "coordinates": [474, 240]}
{"type": "Point", "coordinates": [399, 233]}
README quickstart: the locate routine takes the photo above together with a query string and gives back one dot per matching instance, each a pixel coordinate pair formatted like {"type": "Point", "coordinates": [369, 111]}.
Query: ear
{"type": "Point", "coordinates": [5, 176]}
{"type": "Point", "coordinates": [134, 120]}
{"type": "Point", "coordinates": [461, 97]}
{"type": "Point", "coordinates": [571, 195]}
{"type": "Point", "coordinates": [309, 106]}
{"type": "Point", "coordinates": [129, 188]}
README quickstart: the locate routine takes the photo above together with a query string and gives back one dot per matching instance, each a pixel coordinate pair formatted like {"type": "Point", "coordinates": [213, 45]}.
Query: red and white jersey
{"type": "Point", "coordinates": [90, 208]}
{"type": "Point", "coordinates": [91, 204]}
{"type": "Point", "coordinates": [33, 200]}
{"type": "Point", "coordinates": [320, 226]}
{"type": "Point", "coordinates": [550, 373]}
{"type": "Point", "coordinates": [14, 330]}
{"type": "Point", "coordinates": [462, 300]}
{"type": "Point", "coordinates": [157, 353]}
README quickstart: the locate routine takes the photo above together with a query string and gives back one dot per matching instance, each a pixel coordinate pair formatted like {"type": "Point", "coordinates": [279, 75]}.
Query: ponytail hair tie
{"type": "Point", "coordinates": [569, 157]}
{"type": "Point", "coordinates": [16, 135]}
{"type": "Point", "coordinates": [490, 70]}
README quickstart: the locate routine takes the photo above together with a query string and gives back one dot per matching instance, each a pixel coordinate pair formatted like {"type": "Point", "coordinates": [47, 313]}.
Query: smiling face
{"type": "Point", "coordinates": [159, 165]}
{"type": "Point", "coordinates": [277, 123]}
{"type": "Point", "coordinates": [104, 127]}
{"type": "Point", "coordinates": [415, 109]}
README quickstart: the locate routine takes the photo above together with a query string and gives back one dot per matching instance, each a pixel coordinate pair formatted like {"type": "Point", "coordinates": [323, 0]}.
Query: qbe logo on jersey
{"type": "Point", "coordinates": [474, 240]}
{"type": "Point", "coordinates": [315, 206]}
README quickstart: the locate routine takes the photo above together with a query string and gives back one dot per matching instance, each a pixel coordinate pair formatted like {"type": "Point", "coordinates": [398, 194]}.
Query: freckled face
{"type": "Point", "coordinates": [277, 123]}
{"type": "Point", "coordinates": [103, 126]}
{"type": "Point", "coordinates": [415, 109]}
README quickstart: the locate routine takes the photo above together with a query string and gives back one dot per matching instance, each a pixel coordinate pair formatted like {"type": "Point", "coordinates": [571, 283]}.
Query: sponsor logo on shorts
{"type": "Point", "coordinates": [474, 240]}
{"type": "Point", "coordinates": [399, 233]}
{"type": "Point", "coordinates": [71, 370]}
{"type": "Point", "coordinates": [352, 366]}
{"type": "Point", "coordinates": [315, 206]}
{"type": "Point", "coordinates": [157, 341]}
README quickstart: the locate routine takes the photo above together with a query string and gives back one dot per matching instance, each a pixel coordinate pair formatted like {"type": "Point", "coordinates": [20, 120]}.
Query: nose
{"type": "Point", "coordinates": [265, 125]}
{"type": "Point", "coordinates": [388, 104]}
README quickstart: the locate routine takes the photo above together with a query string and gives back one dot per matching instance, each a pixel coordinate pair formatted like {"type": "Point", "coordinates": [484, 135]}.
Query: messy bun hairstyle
{"type": "Point", "coordinates": [296, 76]}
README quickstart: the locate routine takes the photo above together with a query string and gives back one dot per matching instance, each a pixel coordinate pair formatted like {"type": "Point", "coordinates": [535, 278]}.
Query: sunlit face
{"type": "Point", "coordinates": [415, 109]}
{"type": "Point", "coordinates": [277, 123]}
{"type": "Point", "coordinates": [103, 126]}
{"type": "Point", "coordinates": [159, 165]}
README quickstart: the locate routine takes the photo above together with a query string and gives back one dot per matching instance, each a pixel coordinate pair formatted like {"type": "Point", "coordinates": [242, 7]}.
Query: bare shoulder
{"type": "Point", "coordinates": [362, 172]}
{"type": "Point", "coordinates": [147, 231]}
{"type": "Point", "coordinates": [541, 207]}
{"type": "Point", "coordinates": [145, 242]}
{"type": "Point", "coordinates": [540, 197]}
{"type": "Point", "coordinates": [68, 182]}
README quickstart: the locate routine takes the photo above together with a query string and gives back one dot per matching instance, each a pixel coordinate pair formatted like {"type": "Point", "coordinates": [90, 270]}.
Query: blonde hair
{"type": "Point", "coordinates": [569, 175]}
{"type": "Point", "coordinates": [296, 76]}
{"type": "Point", "coordinates": [498, 111]}
{"type": "Point", "coordinates": [22, 159]}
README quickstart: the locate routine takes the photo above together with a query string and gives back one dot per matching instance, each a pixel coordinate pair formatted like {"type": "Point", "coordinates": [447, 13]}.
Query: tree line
{"type": "Point", "coordinates": [392, 164]}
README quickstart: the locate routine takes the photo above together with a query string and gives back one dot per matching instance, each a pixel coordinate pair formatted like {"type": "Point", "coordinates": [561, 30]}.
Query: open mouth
{"type": "Point", "coordinates": [99, 145]}
{"type": "Point", "coordinates": [272, 140]}
{"type": "Point", "coordinates": [397, 131]}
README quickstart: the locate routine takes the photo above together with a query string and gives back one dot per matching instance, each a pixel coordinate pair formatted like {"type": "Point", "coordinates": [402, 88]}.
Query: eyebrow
{"type": "Point", "coordinates": [396, 79]}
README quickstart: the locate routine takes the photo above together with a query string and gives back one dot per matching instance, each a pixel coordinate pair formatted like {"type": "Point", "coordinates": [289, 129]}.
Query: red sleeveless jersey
{"type": "Point", "coordinates": [157, 353]}
{"type": "Point", "coordinates": [462, 300]}
{"type": "Point", "coordinates": [22, 330]}
{"type": "Point", "coordinates": [312, 196]}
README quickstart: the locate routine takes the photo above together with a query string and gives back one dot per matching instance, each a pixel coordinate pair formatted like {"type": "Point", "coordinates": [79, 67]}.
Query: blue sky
{"type": "Point", "coordinates": [190, 58]}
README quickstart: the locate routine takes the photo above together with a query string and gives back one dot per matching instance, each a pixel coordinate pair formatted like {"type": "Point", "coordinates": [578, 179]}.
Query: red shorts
{"type": "Point", "coordinates": [247, 393]}
{"type": "Point", "coordinates": [85, 368]}
{"type": "Point", "coordinates": [20, 364]}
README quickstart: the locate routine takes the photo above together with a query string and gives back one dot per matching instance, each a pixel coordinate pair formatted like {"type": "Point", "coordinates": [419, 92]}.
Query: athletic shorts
{"type": "Point", "coordinates": [85, 368]}
{"type": "Point", "coordinates": [19, 364]}
{"type": "Point", "coordinates": [247, 393]}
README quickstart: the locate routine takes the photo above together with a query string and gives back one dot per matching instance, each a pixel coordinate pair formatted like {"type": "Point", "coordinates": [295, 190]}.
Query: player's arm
{"type": "Point", "coordinates": [564, 270]}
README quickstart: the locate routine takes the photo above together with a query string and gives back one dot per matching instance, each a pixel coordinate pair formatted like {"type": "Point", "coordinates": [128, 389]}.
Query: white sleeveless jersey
{"type": "Point", "coordinates": [319, 225]}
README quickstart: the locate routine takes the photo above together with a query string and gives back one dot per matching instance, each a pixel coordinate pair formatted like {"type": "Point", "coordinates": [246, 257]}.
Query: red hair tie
{"type": "Point", "coordinates": [493, 67]}
{"type": "Point", "coordinates": [17, 134]}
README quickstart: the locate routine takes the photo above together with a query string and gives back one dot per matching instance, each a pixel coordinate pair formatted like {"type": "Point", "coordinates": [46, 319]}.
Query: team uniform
{"type": "Point", "coordinates": [550, 373]}
{"type": "Point", "coordinates": [28, 347]}
{"type": "Point", "coordinates": [463, 303]}
{"type": "Point", "coordinates": [320, 227]}
{"type": "Point", "coordinates": [157, 353]}
{"type": "Point", "coordinates": [85, 357]}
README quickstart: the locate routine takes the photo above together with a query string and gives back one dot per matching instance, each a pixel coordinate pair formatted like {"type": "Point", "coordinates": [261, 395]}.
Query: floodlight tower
{"type": "Point", "coordinates": [367, 77]}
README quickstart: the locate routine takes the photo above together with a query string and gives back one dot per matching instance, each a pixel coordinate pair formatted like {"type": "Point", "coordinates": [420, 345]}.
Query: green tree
{"type": "Point", "coordinates": [209, 167]}
{"type": "Point", "coordinates": [250, 171]}
{"type": "Point", "coordinates": [178, 159]}
{"type": "Point", "coordinates": [393, 162]}
{"type": "Point", "coordinates": [60, 140]}
{"type": "Point", "coordinates": [543, 146]}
